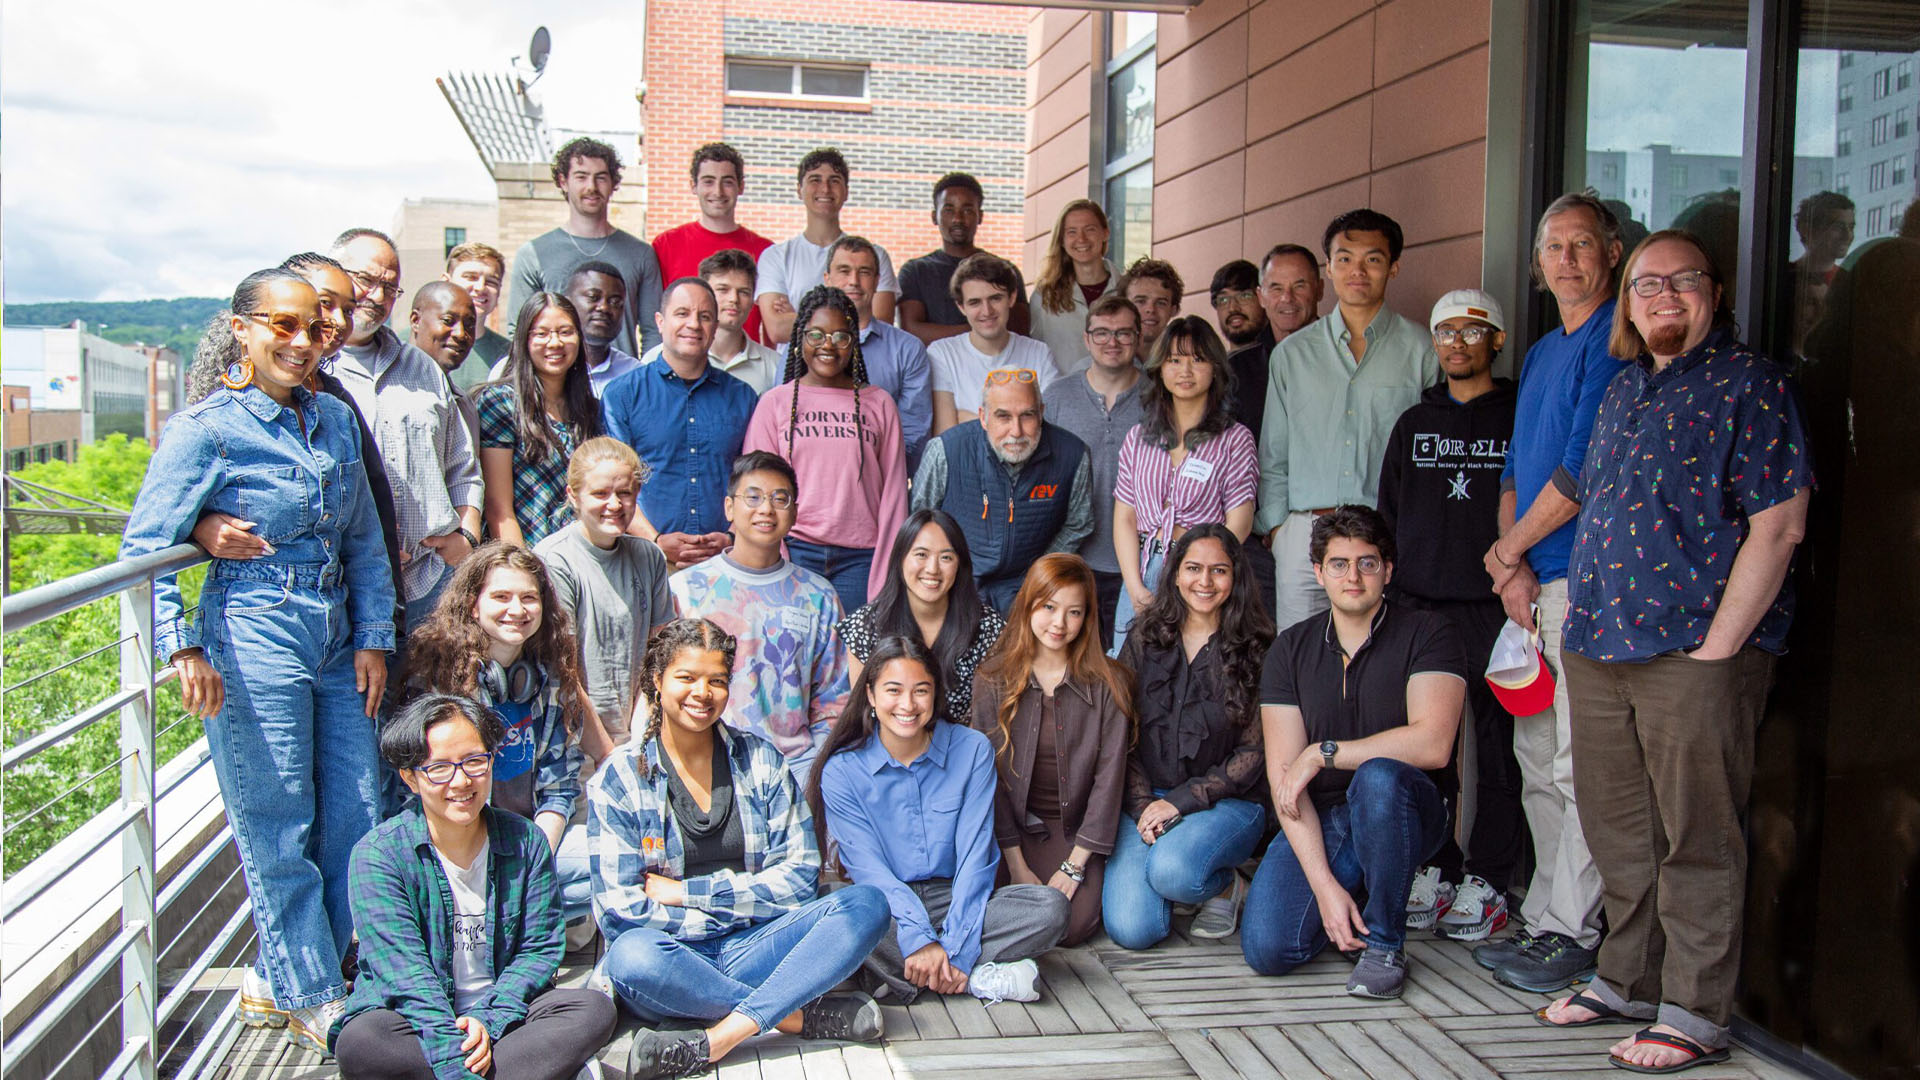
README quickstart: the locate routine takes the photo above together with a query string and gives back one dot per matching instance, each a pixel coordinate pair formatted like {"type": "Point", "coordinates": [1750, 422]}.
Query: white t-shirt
{"type": "Point", "coordinates": [961, 370]}
{"type": "Point", "coordinates": [796, 264]}
{"type": "Point", "coordinates": [472, 945]}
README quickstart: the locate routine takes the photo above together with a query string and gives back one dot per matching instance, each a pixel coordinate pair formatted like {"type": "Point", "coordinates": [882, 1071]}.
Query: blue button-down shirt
{"type": "Point", "coordinates": [897, 363]}
{"type": "Point", "coordinates": [1680, 460]}
{"type": "Point", "coordinates": [688, 433]}
{"type": "Point", "coordinates": [932, 818]}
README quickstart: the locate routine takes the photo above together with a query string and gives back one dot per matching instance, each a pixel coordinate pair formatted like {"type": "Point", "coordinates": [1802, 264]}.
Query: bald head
{"type": "Point", "coordinates": [443, 323]}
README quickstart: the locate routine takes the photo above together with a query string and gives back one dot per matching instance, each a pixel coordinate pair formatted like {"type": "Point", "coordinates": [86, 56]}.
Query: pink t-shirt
{"type": "Point", "coordinates": [1216, 476]}
{"type": "Point", "coordinates": [844, 500]}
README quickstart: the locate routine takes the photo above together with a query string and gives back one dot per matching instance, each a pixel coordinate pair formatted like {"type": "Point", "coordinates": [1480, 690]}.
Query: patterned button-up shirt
{"type": "Point", "coordinates": [1680, 460]}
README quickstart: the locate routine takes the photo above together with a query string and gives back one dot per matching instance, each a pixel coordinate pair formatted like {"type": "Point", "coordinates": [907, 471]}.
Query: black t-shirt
{"type": "Point", "coordinates": [713, 840]}
{"type": "Point", "coordinates": [1351, 699]}
{"type": "Point", "coordinates": [928, 279]}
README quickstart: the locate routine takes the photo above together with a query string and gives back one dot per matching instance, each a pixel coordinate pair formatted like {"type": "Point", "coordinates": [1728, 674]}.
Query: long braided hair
{"type": "Point", "coordinates": [825, 296]}
{"type": "Point", "coordinates": [668, 642]}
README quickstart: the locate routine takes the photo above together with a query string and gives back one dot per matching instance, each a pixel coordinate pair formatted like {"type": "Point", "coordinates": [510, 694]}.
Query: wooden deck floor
{"type": "Point", "coordinates": [1185, 1009]}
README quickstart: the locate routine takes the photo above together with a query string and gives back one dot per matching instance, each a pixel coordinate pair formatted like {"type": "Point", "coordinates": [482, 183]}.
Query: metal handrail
{"type": "Point", "coordinates": [43, 602]}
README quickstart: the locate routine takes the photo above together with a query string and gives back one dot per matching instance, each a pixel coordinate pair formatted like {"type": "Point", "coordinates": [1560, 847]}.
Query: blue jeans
{"type": "Point", "coordinates": [1189, 863]}
{"type": "Point", "coordinates": [1153, 560]}
{"type": "Point", "coordinates": [1392, 821]}
{"type": "Point", "coordinates": [298, 769]}
{"type": "Point", "coordinates": [844, 567]}
{"type": "Point", "coordinates": [573, 873]}
{"type": "Point", "coordinates": [762, 972]}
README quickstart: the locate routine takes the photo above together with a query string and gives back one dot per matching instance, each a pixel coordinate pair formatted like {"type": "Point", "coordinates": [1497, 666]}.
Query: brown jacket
{"type": "Point", "coordinates": [1091, 737]}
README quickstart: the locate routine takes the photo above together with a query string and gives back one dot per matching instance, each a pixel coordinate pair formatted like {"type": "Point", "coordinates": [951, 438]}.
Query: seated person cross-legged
{"type": "Point", "coordinates": [459, 923]}
{"type": "Point", "coordinates": [1356, 704]}
{"type": "Point", "coordinates": [1193, 808]}
{"type": "Point", "coordinates": [705, 874]}
{"type": "Point", "coordinates": [907, 797]}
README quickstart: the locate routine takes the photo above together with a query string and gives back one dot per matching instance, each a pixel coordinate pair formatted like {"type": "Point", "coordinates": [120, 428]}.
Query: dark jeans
{"type": "Point", "coordinates": [1107, 597]}
{"type": "Point", "coordinates": [562, 1030]}
{"type": "Point", "coordinates": [844, 567]}
{"type": "Point", "coordinates": [1021, 922]}
{"type": "Point", "coordinates": [1392, 821]}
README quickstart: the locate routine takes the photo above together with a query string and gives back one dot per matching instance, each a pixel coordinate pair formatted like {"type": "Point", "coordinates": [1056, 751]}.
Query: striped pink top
{"type": "Point", "coordinates": [1218, 475]}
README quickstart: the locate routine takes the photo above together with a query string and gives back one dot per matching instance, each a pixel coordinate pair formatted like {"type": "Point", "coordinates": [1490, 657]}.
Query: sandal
{"type": "Point", "coordinates": [1701, 1055]}
{"type": "Point", "coordinates": [1603, 1013]}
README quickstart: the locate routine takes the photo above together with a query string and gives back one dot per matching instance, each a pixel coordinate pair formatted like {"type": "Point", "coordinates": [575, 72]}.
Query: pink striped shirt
{"type": "Point", "coordinates": [1218, 475]}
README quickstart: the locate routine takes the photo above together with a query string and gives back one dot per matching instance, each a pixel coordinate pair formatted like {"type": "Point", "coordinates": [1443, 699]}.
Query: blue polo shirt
{"type": "Point", "coordinates": [688, 433]}
{"type": "Point", "coordinates": [1562, 383]}
{"type": "Point", "coordinates": [1680, 459]}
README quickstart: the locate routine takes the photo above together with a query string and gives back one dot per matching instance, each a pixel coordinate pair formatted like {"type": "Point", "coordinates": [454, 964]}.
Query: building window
{"type": "Point", "coordinates": [453, 237]}
{"type": "Point", "coordinates": [1843, 142]}
{"type": "Point", "coordinates": [1882, 83]}
{"type": "Point", "coordinates": [1876, 220]}
{"type": "Point", "coordinates": [1877, 176]}
{"type": "Point", "coordinates": [1881, 125]}
{"type": "Point", "coordinates": [1899, 171]}
{"type": "Point", "coordinates": [1127, 153]}
{"type": "Point", "coordinates": [1679, 175]}
{"type": "Point", "coordinates": [801, 81]}
{"type": "Point", "coordinates": [1846, 60]}
{"type": "Point", "coordinates": [1903, 75]}
{"type": "Point", "coordinates": [1610, 171]}
{"type": "Point", "coordinates": [1844, 103]}
{"type": "Point", "coordinates": [1843, 183]}
{"type": "Point", "coordinates": [1902, 122]}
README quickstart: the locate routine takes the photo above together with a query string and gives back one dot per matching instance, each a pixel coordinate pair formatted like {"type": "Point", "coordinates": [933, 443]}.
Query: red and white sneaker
{"type": "Point", "coordinates": [1478, 910]}
{"type": "Point", "coordinates": [1430, 899]}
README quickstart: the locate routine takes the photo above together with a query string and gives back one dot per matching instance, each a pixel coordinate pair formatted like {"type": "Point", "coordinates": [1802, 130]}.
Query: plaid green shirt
{"type": "Point", "coordinates": [539, 487]}
{"type": "Point", "coordinates": [403, 909]}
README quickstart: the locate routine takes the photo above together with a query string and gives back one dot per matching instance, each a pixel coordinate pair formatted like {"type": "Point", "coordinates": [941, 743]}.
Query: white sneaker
{"type": "Point", "coordinates": [1220, 916]}
{"type": "Point", "coordinates": [308, 1028]}
{"type": "Point", "coordinates": [1477, 911]}
{"type": "Point", "coordinates": [256, 1002]}
{"type": "Point", "coordinates": [1014, 981]}
{"type": "Point", "coordinates": [589, 1071]}
{"type": "Point", "coordinates": [1429, 899]}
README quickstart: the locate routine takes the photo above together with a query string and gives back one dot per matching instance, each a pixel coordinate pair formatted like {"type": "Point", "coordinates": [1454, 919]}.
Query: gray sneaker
{"type": "Point", "coordinates": [1553, 962]}
{"type": "Point", "coordinates": [1380, 974]}
{"type": "Point", "coordinates": [1495, 953]}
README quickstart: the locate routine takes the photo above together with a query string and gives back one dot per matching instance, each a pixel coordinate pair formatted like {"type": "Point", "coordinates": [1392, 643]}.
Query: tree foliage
{"type": "Point", "coordinates": [174, 323]}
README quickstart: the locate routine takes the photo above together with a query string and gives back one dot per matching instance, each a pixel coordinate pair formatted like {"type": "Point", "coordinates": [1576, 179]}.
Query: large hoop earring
{"type": "Point", "coordinates": [239, 374]}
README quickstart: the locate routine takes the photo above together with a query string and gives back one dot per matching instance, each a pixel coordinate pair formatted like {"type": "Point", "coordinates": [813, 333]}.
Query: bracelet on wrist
{"type": "Point", "coordinates": [1496, 558]}
{"type": "Point", "coordinates": [1074, 873]}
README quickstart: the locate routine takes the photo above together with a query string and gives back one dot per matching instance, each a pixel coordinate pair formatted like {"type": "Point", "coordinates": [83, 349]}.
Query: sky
{"type": "Point", "coordinates": [159, 150]}
{"type": "Point", "coordinates": [1693, 99]}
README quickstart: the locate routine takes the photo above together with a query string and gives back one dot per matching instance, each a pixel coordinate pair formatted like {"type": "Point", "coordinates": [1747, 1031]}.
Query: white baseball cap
{"type": "Point", "coordinates": [1471, 303]}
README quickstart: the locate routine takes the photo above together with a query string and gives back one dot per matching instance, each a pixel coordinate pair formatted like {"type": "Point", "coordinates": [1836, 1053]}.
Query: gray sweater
{"type": "Point", "coordinates": [548, 260]}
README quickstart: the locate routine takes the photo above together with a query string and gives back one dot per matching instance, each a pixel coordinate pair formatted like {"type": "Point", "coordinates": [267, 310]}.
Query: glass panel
{"type": "Point", "coordinates": [1130, 109]}
{"type": "Point", "coordinates": [1130, 211]}
{"type": "Point", "coordinates": [1655, 115]}
{"type": "Point", "coordinates": [748, 78]}
{"type": "Point", "coordinates": [833, 82]}
{"type": "Point", "coordinates": [1130, 28]}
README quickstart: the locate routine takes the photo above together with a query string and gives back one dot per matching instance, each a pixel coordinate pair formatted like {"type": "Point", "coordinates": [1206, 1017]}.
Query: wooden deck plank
{"type": "Point", "coordinates": [897, 1021]}
{"type": "Point", "coordinates": [1202, 1056]}
{"type": "Point", "coordinates": [1325, 1054]}
{"type": "Point", "coordinates": [1241, 1053]}
{"type": "Point", "coordinates": [823, 1062]}
{"type": "Point", "coordinates": [1455, 1057]}
{"type": "Point", "coordinates": [1066, 986]}
{"type": "Point", "coordinates": [1048, 1015]}
{"type": "Point", "coordinates": [1411, 1055]}
{"type": "Point", "coordinates": [969, 1016]}
{"type": "Point", "coordinates": [866, 1062]}
{"type": "Point", "coordinates": [1292, 1062]}
{"type": "Point", "coordinates": [930, 1017]}
{"type": "Point", "coordinates": [1107, 990]}
{"type": "Point", "coordinates": [1357, 1043]}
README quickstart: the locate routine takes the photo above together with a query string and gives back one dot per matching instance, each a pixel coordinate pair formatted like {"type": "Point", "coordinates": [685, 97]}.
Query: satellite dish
{"type": "Point", "coordinates": [537, 51]}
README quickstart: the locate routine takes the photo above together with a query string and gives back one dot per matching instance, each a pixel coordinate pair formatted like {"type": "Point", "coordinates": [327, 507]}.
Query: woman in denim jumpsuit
{"type": "Point", "coordinates": [287, 654]}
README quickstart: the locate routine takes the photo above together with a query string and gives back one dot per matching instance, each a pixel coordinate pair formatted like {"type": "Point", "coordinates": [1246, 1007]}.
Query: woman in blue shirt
{"type": "Point", "coordinates": [288, 652]}
{"type": "Point", "coordinates": [908, 800]}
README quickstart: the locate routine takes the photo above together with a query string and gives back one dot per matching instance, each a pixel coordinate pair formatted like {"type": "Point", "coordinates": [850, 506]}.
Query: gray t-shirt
{"type": "Point", "coordinates": [927, 278]}
{"type": "Point", "coordinates": [1072, 404]}
{"type": "Point", "coordinates": [548, 260]}
{"type": "Point", "coordinates": [615, 598]}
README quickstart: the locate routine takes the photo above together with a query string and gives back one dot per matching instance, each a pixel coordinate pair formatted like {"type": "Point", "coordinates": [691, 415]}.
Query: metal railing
{"type": "Point", "coordinates": [96, 1000]}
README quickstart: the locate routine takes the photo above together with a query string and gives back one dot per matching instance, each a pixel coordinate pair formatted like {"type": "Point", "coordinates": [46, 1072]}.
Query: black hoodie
{"type": "Point", "coordinates": [1440, 490]}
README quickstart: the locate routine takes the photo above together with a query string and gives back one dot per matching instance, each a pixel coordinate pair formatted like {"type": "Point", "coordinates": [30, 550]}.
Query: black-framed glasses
{"type": "Point", "coordinates": [1339, 566]}
{"type": "Point", "coordinates": [779, 500]}
{"type": "Point", "coordinates": [1471, 335]}
{"type": "Point", "coordinates": [1651, 285]}
{"type": "Point", "coordinates": [476, 766]}
{"type": "Point", "coordinates": [1101, 335]}
{"type": "Point", "coordinates": [286, 326]}
{"type": "Point", "coordinates": [815, 336]}
{"type": "Point", "coordinates": [1222, 299]}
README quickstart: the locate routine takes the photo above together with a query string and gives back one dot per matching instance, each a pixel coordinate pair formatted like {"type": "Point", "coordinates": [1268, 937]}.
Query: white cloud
{"type": "Point", "coordinates": [167, 149]}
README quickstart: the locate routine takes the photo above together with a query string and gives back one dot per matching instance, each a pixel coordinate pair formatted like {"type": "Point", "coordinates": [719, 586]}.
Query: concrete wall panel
{"type": "Point", "coordinates": [1326, 150]}
{"type": "Point", "coordinates": [1438, 108]}
{"type": "Point", "coordinates": [1433, 198]}
{"type": "Point", "coordinates": [1414, 34]}
{"type": "Point", "coordinates": [1199, 198]}
{"type": "Point", "coordinates": [1201, 72]}
{"type": "Point", "coordinates": [1275, 28]}
{"type": "Point", "coordinates": [1330, 71]}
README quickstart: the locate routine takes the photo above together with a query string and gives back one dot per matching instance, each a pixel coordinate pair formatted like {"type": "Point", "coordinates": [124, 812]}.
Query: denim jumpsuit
{"type": "Point", "coordinates": [281, 630]}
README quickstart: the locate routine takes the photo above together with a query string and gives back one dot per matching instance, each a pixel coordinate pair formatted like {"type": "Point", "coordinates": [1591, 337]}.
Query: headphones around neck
{"type": "Point", "coordinates": [518, 684]}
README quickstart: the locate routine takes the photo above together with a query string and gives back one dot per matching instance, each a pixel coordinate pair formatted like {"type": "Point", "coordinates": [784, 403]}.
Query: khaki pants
{"type": "Point", "coordinates": [1297, 594]}
{"type": "Point", "coordinates": [1663, 757]}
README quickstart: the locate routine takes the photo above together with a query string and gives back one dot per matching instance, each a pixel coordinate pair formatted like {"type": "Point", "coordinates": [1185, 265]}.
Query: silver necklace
{"type": "Point", "coordinates": [584, 253]}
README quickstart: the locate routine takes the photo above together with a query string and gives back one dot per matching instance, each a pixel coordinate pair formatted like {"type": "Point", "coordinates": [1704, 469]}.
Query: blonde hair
{"type": "Point", "coordinates": [1056, 271]}
{"type": "Point", "coordinates": [600, 450]}
{"type": "Point", "coordinates": [475, 251]}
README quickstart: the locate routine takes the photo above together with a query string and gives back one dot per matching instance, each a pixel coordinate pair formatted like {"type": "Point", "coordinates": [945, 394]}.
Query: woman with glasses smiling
{"type": "Point", "coordinates": [460, 930]}
{"type": "Point", "coordinates": [845, 446]}
{"type": "Point", "coordinates": [532, 420]}
{"type": "Point", "coordinates": [287, 653]}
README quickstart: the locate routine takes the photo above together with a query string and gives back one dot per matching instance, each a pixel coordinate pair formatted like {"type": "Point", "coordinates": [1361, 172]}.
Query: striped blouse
{"type": "Point", "coordinates": [1218, 475]}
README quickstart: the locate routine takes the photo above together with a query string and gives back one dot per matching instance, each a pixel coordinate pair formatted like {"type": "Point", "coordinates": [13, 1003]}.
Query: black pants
{"type": "Point", "coordinates": [562, 1030]}
{"type": "Point", "coordinates": [1499, 845]}
{"type": "Point", "coordinates": [1107, 586]}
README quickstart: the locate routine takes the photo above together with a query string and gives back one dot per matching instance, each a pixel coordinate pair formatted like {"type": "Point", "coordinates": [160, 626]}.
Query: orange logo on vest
{"type": "Point", "coordinates": [1044, 491]}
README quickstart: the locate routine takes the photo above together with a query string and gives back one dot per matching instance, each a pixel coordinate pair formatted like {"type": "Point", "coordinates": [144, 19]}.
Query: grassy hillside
{"type": "Point", "coordinates": [175, 323]}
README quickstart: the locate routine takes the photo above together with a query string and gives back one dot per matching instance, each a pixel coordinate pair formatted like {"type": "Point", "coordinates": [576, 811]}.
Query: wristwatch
{"type": "Point", "coordinates": [467, 535]}
{"type": "Point", "coordinates": [1327, 750]}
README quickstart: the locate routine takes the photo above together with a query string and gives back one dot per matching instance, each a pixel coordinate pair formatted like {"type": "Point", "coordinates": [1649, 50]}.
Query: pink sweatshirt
{"type": "Point", "coordinates": [843, 501]}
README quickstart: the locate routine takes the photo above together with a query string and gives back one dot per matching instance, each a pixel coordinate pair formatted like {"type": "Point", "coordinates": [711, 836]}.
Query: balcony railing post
{"type": "Point", "coordinates": [139, 980]}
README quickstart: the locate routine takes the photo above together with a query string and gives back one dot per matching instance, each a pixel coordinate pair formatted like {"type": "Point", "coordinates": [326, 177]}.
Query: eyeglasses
{"type": "Point", "coordinates": [1370, 565]}
{"type": "Point", "coordinates": [1472, 335]}
{"type": "Point", "coordinates": [1651, 285]}
{"type": "Point", "coordinates": [476, 767]}
{"type": "Point", "coordinates": [1222, 299]}
{"type": "Point", "coordinates": [1010, 375]}
{"type": "Point", "coordinates": [815, 336]}
{"type": "Point", "coordinates": [779, 500]}
{"type": "Point", "coordinates": [367, 285]}
{"type": "Point", "coordinates": [1102, 335]}
{"type": "Point", "coordinates": [287, 326]}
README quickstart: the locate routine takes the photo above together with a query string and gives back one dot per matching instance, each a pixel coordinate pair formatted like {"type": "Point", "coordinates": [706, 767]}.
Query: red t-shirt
{"type": "Point", "coordinates": [682, 248]}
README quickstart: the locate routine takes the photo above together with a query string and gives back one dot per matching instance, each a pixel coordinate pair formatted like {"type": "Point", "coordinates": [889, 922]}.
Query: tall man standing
{"type": "Point", "coordinates": [927, 310]}
{"type": "Point", "coordinates": [1693, 498]}
{"type": "Point", "coordinates": [1334, 392]}
{"type": "Point", "coordinates": [792, 266]}
{"type": "Point", "coordinates": [1576, 251]}
{"type": "Point", "coordinates": [896, 361]}
{"type": "Point", "coordinates": [719, 175]}
{"type": "Point", "coordinates": [587, 172]}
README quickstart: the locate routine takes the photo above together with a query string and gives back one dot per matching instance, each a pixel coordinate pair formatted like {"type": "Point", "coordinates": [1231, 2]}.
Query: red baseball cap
{"type": "Point", "coordinates": [1523, 683]}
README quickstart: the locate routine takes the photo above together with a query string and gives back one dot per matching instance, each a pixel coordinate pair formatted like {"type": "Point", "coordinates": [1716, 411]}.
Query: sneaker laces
{"type": "Point", "coordinates": [1426, 889]}
{"type": "Point", "coordinates": [686, 1057]}
{"type": "Point", "coordinates": [1474, 897]}
{"type": "Point", "coordinates": [821, 1020]}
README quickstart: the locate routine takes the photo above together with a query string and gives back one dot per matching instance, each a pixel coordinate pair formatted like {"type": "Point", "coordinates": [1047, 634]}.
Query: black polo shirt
{"type": "Point", "coordinates": [1350, 698]}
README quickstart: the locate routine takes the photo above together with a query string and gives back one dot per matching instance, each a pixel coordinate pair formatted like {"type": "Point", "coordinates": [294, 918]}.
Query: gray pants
{"type": "Point", "coordinates": [1022, 921]}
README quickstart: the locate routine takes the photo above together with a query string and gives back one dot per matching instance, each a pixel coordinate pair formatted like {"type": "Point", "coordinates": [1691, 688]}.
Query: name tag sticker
{"type": "Point", "coordinates": [797, 621]}
{"type": "Point", "coordinates": [1196, 469]}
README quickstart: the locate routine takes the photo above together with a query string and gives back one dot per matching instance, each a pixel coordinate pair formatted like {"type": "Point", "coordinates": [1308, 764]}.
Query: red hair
{"type": "Point", "coordinates": [1010, 664]}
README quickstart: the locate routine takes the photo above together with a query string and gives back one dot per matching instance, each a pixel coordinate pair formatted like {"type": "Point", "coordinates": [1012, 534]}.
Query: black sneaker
{"type": "Point", "coordinates": [668, 1053]}
{"type": "Point", "coordinates": [1496, 953]}
{"type": "Point", "coordinates": [1553, 962]}
{"type": "Point", "coordinates": [849, 1017]}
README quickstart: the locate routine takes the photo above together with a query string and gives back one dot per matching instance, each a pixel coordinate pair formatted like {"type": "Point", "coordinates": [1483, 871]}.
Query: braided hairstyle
{"type": "Point", "coordinates": [668, 642]}
{"type": "Point", "coordinates": [825, 296]}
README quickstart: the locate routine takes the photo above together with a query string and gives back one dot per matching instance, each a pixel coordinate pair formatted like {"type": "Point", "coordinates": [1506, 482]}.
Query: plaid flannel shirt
{"type": "Point", "coordinates": [630, 831]}
{"type": "Point", "coordinates": [403, 910]}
